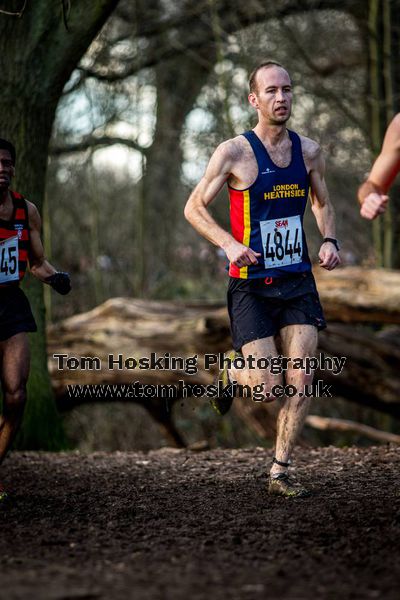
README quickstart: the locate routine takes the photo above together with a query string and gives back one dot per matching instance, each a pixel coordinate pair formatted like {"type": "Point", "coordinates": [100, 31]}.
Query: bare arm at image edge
{"type": "Point", "coordinates": [372, 194]}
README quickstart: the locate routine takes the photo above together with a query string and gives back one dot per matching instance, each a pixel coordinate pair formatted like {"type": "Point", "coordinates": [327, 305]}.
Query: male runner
{"type": "Point", "coordinates": [372, 194]}
{"type": "Point", "coordinates": [270, 171]}
{"type": "Point", "coordinates": [20, 243]}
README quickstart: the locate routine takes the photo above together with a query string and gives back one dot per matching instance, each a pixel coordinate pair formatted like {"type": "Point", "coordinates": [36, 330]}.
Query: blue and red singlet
{"type": "Point", "coordinates": [268, 216]}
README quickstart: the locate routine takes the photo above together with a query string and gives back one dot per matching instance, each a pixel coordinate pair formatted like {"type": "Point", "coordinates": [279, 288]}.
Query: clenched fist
{"type": "Point", "coordinates": [373, 205]}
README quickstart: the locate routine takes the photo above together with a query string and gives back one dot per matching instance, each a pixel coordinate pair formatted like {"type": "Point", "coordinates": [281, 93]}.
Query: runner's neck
{"type": "Point", "coordinates": [5, 199]}
{"type": "Point", "coordinates": [271, 135]}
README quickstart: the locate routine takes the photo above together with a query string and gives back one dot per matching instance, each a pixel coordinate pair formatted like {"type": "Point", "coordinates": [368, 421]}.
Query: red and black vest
{"type": "Point", "coordinates": [14, 243]}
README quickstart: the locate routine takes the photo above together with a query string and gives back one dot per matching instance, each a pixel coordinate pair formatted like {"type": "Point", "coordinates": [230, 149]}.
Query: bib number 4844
{"type": "Point", "coordinates": [282, 241]}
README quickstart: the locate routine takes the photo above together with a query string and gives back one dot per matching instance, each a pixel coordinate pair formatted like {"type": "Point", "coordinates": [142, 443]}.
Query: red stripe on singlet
{"type": "Point", "coordinates": [236, 199]}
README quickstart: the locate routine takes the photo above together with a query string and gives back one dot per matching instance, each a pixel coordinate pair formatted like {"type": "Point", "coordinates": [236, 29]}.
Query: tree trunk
{"type": "Point", "coordinates": [38, 55]}
{"type": "Point", "coordinates": [179, 82]}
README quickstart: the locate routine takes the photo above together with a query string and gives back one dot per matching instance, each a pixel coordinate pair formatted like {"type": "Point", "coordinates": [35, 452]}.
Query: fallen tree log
{"type": "Point", "coordinates": [126, 329]}
{"type": "Point", "coordinates": [355, 294]}
{"type": "Point", "coordinates": [134, 329]}
{"type": "Point", "coordinates": [131, 329]}
{"type": "Point", "coordinates": [371, 375]}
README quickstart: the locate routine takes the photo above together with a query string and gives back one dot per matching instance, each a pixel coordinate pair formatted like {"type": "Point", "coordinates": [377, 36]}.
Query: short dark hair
{"type": "Point", "coordinates": [253, 74]}
{"type": "Point", "coordinates": [6, 145]}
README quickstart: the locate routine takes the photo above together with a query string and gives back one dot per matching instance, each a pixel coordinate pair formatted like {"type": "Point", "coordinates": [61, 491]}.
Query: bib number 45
{"type": "Point", "coordinates": [9, 260]}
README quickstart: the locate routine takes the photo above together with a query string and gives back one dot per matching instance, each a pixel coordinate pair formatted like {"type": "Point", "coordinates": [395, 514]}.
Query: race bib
{"type": "Point", "coordinates": [282, 241]}
{"type": "Point", "coordinates": [9, 260]}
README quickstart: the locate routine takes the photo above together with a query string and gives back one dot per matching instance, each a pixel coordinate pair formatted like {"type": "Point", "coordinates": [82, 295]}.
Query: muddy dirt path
{"type": "Point", "coordinates": [182, 525]}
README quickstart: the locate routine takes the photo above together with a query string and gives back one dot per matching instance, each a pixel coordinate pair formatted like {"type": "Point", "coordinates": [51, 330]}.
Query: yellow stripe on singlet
{"type": "Point", "coordinates": [247, 228]}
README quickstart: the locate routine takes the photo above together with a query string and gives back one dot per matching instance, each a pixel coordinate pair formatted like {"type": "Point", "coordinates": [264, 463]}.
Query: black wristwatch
{"type": "Point", "coordinates": [333, 241]}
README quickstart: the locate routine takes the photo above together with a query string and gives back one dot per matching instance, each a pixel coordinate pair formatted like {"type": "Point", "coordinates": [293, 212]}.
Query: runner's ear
{"type": "Point", "coordinates": [253, 100]}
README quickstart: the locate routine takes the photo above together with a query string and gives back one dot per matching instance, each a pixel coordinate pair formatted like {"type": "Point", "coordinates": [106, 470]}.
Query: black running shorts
{"type": "Point", "coordinates": [259, 308]}
{"type": "Point", "coordinates": [15, 312]}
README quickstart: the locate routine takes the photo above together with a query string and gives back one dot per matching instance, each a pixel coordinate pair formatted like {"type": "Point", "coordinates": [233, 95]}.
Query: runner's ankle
{"type": "Point", "coordinates": [279, 466]}
{"type": "Point", "coordinates": [277, 470]}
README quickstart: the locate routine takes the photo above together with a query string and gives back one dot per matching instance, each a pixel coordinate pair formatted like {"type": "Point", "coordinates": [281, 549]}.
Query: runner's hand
{"type": "Point", "coordinates": [60, 282]}
{"type": "Point", "coordinates": [374, 204]}
{"type": "Point", "coordinates": [328, 256]}
{"type": "Point", "coordinates": [241, 255]}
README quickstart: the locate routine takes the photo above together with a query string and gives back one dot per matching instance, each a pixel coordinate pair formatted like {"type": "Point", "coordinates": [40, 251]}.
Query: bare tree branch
{"type": "Point", "coordinates": [320, 69]}
{"type": "Point", "coordinates": [70, 88]}
{"type": "Point", "coordinates": [325, 71]}
{"type": "Point", "coordinates": [66, 8]}
{"type": "Point", "coordinates": [15, 14]}
{"type": "Point", "coordinates": [328, 423]}
{"type": "Point", "coordinates": [198, 21]}
{"type": "Point", "coordinates": [93, 142]}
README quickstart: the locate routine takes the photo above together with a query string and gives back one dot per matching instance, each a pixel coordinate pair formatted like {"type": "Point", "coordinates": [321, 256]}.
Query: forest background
{"type": "Point", "coordinates": [136, 118]}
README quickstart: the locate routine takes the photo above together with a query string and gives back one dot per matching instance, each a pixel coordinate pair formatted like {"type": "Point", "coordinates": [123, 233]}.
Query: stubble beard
{"type": "Point", "coordinates": [281, 120]}
{"type": "Point", "coordinates": [276, 121]}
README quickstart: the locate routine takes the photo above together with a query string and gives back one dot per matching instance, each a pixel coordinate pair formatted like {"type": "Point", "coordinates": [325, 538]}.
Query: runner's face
{"type": "Point", "coordinates": [273, 98]}
{"type": "Point", "coordinates": [6, 169]}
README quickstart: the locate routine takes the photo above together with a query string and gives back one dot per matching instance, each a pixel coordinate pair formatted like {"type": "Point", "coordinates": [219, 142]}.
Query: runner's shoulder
{"type": "Point", "coordinates": [232, 150]}
{"type": "Point", "coordinates": [310, 148]}
{"type": "Point", "coordinates": [30, 206]}
{"type": "Point", "coordinates": [33, 213]}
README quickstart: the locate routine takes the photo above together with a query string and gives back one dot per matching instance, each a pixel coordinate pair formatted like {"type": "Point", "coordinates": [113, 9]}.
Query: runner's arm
{"type": "Point", "coordinates": [39, 265]}
{"type": "Point", "coordinates": [372, 194]}
{"type": "Point", "coordinates": [196, 209]}
{"type": "Point", "coordinates": [323, 210]}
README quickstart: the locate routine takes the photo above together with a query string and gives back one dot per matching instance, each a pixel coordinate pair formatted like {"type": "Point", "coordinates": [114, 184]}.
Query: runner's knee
{"type": "Point", "coordinates": [298, 378]}
{"type": "Point", "coordinates": [267, 390]}
{"type": "Point", "coordinates": [14, 399]}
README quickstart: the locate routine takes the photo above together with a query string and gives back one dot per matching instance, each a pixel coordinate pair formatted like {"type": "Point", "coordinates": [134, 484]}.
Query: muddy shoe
{"type": "Point", "coordinates": [284, 485]}
{"type": "Point", "coordinates": [221, 404]}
